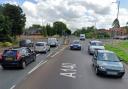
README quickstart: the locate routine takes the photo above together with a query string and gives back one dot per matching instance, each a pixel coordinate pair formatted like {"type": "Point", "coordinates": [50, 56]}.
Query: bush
{"type": "Point", "coordinates": [7, 44]}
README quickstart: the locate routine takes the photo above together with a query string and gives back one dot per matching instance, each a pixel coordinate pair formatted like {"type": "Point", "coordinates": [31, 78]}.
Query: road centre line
{"type": "Point", "coordinates": [49, 54]}
{"type": "Point", "coordinates": [58, 52]}
{"type": "Point", "coordinates": [41, 63]}
{"type": "Point", "coordinates": [13, 87]}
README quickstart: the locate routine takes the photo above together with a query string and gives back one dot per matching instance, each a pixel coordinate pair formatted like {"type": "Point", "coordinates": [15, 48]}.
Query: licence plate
{"type": "Point", "coordinates": [9, 59]}
{"type": "Point", "coordinates": [112, 73]}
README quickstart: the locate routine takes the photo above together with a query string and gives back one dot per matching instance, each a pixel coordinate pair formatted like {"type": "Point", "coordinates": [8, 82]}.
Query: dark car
{"type": "Point", "coordinates": [26, 43]}
{"type": "Point", "coordinates": [75, 45]}
{"type": "Point", "coordinates": [107, 63]}
{"type": "Point", "coordinates": [17, 57]}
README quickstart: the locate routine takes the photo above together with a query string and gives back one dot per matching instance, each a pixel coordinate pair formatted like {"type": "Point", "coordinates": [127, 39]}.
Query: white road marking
{"type": "Point", "coordinates": [69, 74]}
{"type": "Point", "coordinates": [49, 54]}
{"type": "Point", "coordinates": [37, 54]}
{"type": "Point", "coordinates": [58, 52]}
{"type": "Point", "coordinates": [41, 63]}
{"type": "Point", "coordinates": [13, 87]}
{"type": "Point", "coordinates": [69, 70]}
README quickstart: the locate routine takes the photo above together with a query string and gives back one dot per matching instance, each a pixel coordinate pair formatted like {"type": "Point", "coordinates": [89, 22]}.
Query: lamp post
{"type": "Point", "coordinates": [118, 7]}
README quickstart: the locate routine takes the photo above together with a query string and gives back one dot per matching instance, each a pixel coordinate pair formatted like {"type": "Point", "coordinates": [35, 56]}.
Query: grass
{"type": "Point", "coordinates": [119, 50]}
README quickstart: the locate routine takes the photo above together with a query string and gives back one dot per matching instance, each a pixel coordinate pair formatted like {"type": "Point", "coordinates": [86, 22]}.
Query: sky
{"type": "Point", "coordinates": [75, 13]}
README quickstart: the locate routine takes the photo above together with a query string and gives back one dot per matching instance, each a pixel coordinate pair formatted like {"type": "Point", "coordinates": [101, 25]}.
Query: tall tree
{"type": "Point", "coordinates": [59, 27]}
{"type": "Point", "coordinates": [116, 23]}
{"type": "Point", "coordinates": [16, 16]}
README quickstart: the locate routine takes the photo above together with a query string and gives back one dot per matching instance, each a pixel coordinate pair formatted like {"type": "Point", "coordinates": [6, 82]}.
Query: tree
{"type": "Point", "coordinates": [16, 16]}
{"type": "Point", "coordinates": [59, 27]}
{"type": "Point", "coordinates": [116, 23]}
{"type": "Point", "coordinates": [5, 26]}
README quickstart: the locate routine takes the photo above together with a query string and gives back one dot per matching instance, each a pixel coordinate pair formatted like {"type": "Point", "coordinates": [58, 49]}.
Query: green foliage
{"type": "Point", "coordinates": [90, 32]}
{"type": "Point", "coordinates": [7, 44]}
{"type": "Point", "coordinates": [17, 18]}
{"type": "Point", "coordinates": [121, 53]}
{"type": "Point", "coordinates": [116, 23]}
{"type": "Point", "coordinates": [58, 28]}
{"type": "Point", "coordinates": [5, 25]}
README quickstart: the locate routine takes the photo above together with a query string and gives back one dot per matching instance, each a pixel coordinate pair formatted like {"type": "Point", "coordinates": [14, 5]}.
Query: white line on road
{"type": "Point", "coordinates": [41, 63]}
{"type": "Point", "coordinates": [49, 54]}
{"type": "Point", "coordinates": [37, 54]}
{"type": "Point", "coordinates": [58, 52]}
{"type": "Point", "coordinates": [13, 87]}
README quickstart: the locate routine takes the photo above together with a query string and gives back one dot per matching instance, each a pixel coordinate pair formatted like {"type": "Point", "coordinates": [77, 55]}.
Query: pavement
{"type": "Point", "coordinates": [68, 69]}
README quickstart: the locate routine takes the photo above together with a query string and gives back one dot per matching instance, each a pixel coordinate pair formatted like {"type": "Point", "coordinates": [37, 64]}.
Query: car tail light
{"type": "Point", "coordinates": [1, 57]}
{"type": "Point", "coordinates": [18, 56]}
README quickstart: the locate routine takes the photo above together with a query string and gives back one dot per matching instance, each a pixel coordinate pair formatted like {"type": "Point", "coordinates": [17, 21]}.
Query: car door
{"type": "Point", "coordinates": [95, 59]}
{"type": "Point", "coordinates": [29, 55]}
{"type": "Point", "coordinates": [24, 55]}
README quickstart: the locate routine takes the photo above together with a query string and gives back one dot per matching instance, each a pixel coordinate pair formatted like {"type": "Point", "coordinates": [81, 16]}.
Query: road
{"type": "Point", "coordinates": [70, 70]}
{"type": "Point", "coordinates": [10, 77]}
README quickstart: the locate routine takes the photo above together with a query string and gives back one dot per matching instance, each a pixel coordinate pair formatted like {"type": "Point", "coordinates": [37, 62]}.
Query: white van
{"type": "Point", "coordinates": [52, 42]}
{"type": "Point", "coordinates": [82, 36]}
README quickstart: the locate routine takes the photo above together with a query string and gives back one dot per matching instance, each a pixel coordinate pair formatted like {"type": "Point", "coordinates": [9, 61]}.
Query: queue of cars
{"type": "Point", "coordinates": [104, 62]}
{"type": "Point", "coordinates": [23, 55]}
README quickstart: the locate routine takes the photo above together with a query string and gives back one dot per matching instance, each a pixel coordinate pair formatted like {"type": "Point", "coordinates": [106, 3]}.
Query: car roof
{"type": "Point", "coordinates": [15, 48]}
{"type": "Point", "coordinates": [105, 51]}
{"type": "Point", "coordinates": [95, 41]}
{"type": "Point", "coordinates": [76, 41]}
{"type": "Point", "coordinates": [41, 42]}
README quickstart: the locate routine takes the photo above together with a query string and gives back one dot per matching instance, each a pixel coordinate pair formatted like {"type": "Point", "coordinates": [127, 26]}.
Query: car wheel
{"type": "Point", "coordinates": [97, 71]}
{"type": "Point", "coordinates": [4, 67]}
{"type": "Point", "coordinates": [23, 64]}
{"type": "Point", "coordinates": [34, 59]}
{"type": "Point", "coordinates": [49, 49]}
{"type": "Point", "coordinates": [120, 76]}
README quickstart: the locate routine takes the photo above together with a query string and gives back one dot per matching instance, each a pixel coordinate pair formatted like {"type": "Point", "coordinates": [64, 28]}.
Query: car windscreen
{"type": "Point", "coordinates": [76, 42]}
{"type": "Point", "coordinates": [108, 57]}
{"type": "Point", "coordinates": [10, 52]}
{"type": "Point", "coordinates": [96, 43]}
{"type": "Point", "coordinates": [39, 44]}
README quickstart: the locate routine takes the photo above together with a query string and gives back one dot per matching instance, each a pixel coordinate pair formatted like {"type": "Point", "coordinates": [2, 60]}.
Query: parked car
{"type": "Point", "coordinates": [26, 43]}
{"type": "Point", "coordinates": [107, 63]}
{"type": "Point", "coordinates": [52, 42]}
{"type": "Point", "coordinates": [17, 57]}
{"type": "Point", "coordinates": [42, 47]}
{"type": "Point", "coordinates": [95, 45]}
{"type": "Point", "coordinates": [75, 45]}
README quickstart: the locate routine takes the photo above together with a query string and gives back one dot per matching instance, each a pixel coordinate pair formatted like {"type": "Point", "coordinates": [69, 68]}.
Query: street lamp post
{"type": "Point", "coordinates": [118, 7]}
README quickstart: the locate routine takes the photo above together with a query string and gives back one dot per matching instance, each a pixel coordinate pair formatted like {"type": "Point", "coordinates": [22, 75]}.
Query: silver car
{"type": "Point", "coordinates": [42, 47]}
{"type": "Point", "coordinates": [95, 45]}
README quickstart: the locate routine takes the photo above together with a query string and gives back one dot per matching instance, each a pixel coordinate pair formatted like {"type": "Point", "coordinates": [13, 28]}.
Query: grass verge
{"type": "Point", "coordinates": [121, 53]}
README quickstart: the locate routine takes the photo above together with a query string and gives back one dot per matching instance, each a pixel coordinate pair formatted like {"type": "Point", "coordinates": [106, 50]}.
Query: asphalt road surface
{"type": "Point", "coordinates": [12, 76]}
{"type": "Point", "coordinates": [68, 69]}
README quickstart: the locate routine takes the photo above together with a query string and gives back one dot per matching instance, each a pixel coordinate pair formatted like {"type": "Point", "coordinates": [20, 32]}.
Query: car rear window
{"type": "Point", "coordinates": [39, 44]}
{"type": "Point", "coordinates": [10, 52]}
{"type": "Point", "coordinates": [97, 43]}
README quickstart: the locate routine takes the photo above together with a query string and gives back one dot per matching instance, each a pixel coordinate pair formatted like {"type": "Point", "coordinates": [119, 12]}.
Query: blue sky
{"type": "Point", "coordinates": [124, 3]}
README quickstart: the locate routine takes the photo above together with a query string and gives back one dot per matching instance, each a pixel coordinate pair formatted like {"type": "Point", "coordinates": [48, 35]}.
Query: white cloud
{"type": "Point", "coordinates": [76, 13]}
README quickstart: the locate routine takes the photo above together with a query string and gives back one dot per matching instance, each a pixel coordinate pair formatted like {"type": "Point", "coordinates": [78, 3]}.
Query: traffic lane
{"type": "Point", "coordinates": [53, 75]}
{"type": "Point", "coordinates": [12, 76]}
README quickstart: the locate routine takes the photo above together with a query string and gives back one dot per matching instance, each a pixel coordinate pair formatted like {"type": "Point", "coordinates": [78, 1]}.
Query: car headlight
{"type": "Point", "coordinates": [102, 68]}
